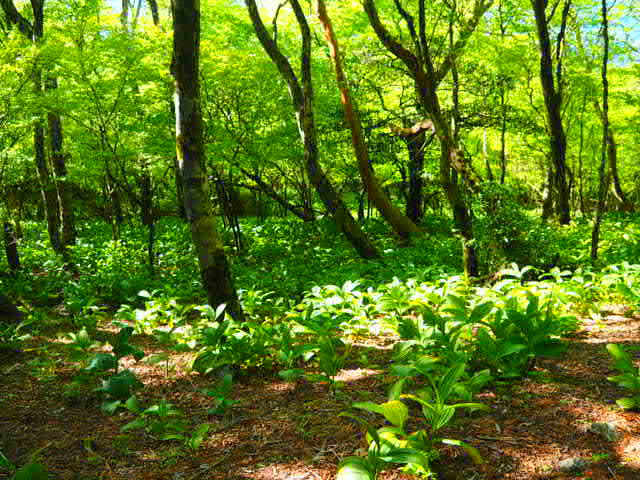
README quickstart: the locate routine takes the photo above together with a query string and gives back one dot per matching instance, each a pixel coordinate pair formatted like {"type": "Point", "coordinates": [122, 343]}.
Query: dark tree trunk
{"type": "Point", "coordinates": [552, 91]}
{"type": "Point", "coordinates": [603, 183]}
{"type": "Point", "coordinates": [503, 137]}
{"type": "Point", "coordinates": [416, 140]}
{"type": "Point", "coordinates": [427, 78]}
{"type": "Point", "coordinates": [214, 265]}
{"type": "Point", "coordinates": [612, 153]}
{"type": "Point", "coordinates": [400, 223]}
{"type": "Point", "coordinates": [416, 147]}
{"type": "Point", "coordinates": [58, 160]}
{"type": "Point", "coordinates": [47, 187]}
{"type": "Point", "coordinates": [302, 98]}
{"type": "Point", "coordinates": [11, 247]}
{"type": "Point", "coordinates": [148, 217]}
{"type": "Point", "coordinates": [179, 191]}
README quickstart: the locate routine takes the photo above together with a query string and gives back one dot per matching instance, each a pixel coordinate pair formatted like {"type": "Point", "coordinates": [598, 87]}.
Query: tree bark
{"type": "Point", "coordinates": [553, 103]}
{"type": "Point", "coordinates": [602, 184]}
{"type": "Point", "coordinates": [400, 223]}
{"type": "Point", "coordinates": [57, 196]}
{"type": "Point", "coordinates": [612, 149]}
{"type": "Point", "coordinates": [416, 140]}
{"type": "Point", "coordinates": [302, 97]}
{"type": "Point", "coordinates": [11, 247]}
{"type": "Point", "coordinates": [214, 265]}
{"type": "Point", "coordinates": [58, 160]}
{"type": "Point", "coordinates": [427, 78]}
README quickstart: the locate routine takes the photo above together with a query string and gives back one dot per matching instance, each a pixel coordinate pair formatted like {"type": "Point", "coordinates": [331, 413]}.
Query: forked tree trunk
{"type": "Point", "coordinates": [552, 92]}
{"type": "Point", "coordinates": [54, 206]}
{"type": "Point", "coordinates": [400, 223]}
{"type": "Point", "coordinates": [427, 78]}
{"type": "Point", "coordinates": [302, 98]}
{"type": "Point", "coordinates": [212, 260]}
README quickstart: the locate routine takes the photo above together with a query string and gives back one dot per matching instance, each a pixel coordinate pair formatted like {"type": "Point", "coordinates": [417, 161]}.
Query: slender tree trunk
{"type": "Point", "coordinates": [58, 160]}
{"type": "Point", "coordinates": [401, 224]}
{"type": "Point", "coordinates": [416, 146]}
{"type": "Point", "coordinates": [612, 149]}
{"type": "Point", "coordinates": [214, 265]}
{"type": "Point", "coordinates": [11, 247]}
{"type": "Point", "coordinates": [553, 102]}
{"type": "Point", "coordinates": [427, 78]}
{"type": "Point", "coordinates": [148, 217]}
{"type": "Point", "coordinates": [581, 163]}
{"type": "Point", "coordinates": [602, 184]}
{"type": "Point", "coordinates": [485, 154]}
{"type": "Point", "coordinates": [179, 191]}
{"type": "Point", "coordinates": [302, 97]}
{"type": "Point", "coordinates": [47, 185]}
{"type": "Point", "coordinates": [503, 136]}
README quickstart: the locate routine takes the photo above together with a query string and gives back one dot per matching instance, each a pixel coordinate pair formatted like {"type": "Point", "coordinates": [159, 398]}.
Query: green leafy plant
{"type": "Point", "coordinates": [165, 422]}
{"type": "Point", "coordinates": [331, 351]}
{"type": "Point", "coordinates": [629, 377]}
{"type": "Point", "coordinates": [117, 386]}
{"type": "Point", "coordinates": [394, 444]}
{"type": "Point", "coordinates": [384, 447]}
{"type": "Point", "coordinates": [221, 394]}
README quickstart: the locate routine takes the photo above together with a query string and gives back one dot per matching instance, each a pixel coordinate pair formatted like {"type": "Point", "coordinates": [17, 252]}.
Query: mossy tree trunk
{"type": "Point", "coordinates": [212, 260]}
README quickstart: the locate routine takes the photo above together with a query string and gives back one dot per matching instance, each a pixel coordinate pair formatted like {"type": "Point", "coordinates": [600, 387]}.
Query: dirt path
{"type": "Point", "coordinates": [281, 431]}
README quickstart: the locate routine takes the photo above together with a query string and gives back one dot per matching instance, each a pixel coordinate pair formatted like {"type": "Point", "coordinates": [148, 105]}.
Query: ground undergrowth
{"type": "Point", "coordinates": [397, 369]}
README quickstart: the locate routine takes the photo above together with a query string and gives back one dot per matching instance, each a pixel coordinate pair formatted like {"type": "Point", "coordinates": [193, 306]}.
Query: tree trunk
{"type": "Point", "coordinates": [602, 184]}
{"type": "Point", "coordinates": [11, 247]}
{"type": "Point", "coordinates": [401, 224]}
{"type": "Point", "coordinates": [302, 97]}
{"type": "Point", "coordinates": [416, 147]}
{"type": "Point", "coordinates": [503, 136]}
{"type": "Point", "coordinates": [214, 265]}
{"type": "Point", "coordinates": [179, 191]}
{"type": "Point", "coordinates": [553, 104]}
{"type": "Point", "coordinates": [47, 187]}
{"type": "Point", "coordinates": [65, 193]}
{"type": "Point", "coordinates": [427, 78]}
{"type": "Point", "coordinates": [612, 149]}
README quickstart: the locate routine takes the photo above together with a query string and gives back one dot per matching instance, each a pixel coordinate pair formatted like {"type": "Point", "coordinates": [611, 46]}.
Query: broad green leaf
{"type": "Point", "coordinates": [473, 452]}
{"type": "Point", "coordinates": [628, 403]}
{"type": "Point", "coordinates": [407, 456]}
{"type": "Point", "coordinates": [355, 468]}
{"type": "Point", "coordinates": [395, 412]}
{"type": "Point", "coordinates": [102, 362]}
{"type": "Point", "coordinates": [32, 471]}
{"type": "Point", "coordinates": [480, 312]}
{"type": "Point", "coordinates": [134, 425]}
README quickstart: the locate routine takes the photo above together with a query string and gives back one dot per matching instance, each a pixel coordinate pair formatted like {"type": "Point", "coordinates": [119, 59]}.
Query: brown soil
{"type": "Point", "coordinates": [284, 431]}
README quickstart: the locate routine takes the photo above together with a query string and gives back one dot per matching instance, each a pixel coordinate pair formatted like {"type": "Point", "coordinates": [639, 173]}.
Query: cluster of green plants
{"type": "Point", "coordinates": [303, 312]}
{"type": "Point", "coordinates": [628, 377]}
{"type": "Point", "coordinates": [32, 470]}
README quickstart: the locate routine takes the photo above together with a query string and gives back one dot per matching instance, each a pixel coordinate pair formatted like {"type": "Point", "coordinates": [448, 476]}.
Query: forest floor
{"type": "Point", "coordinates": [284, 431]}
